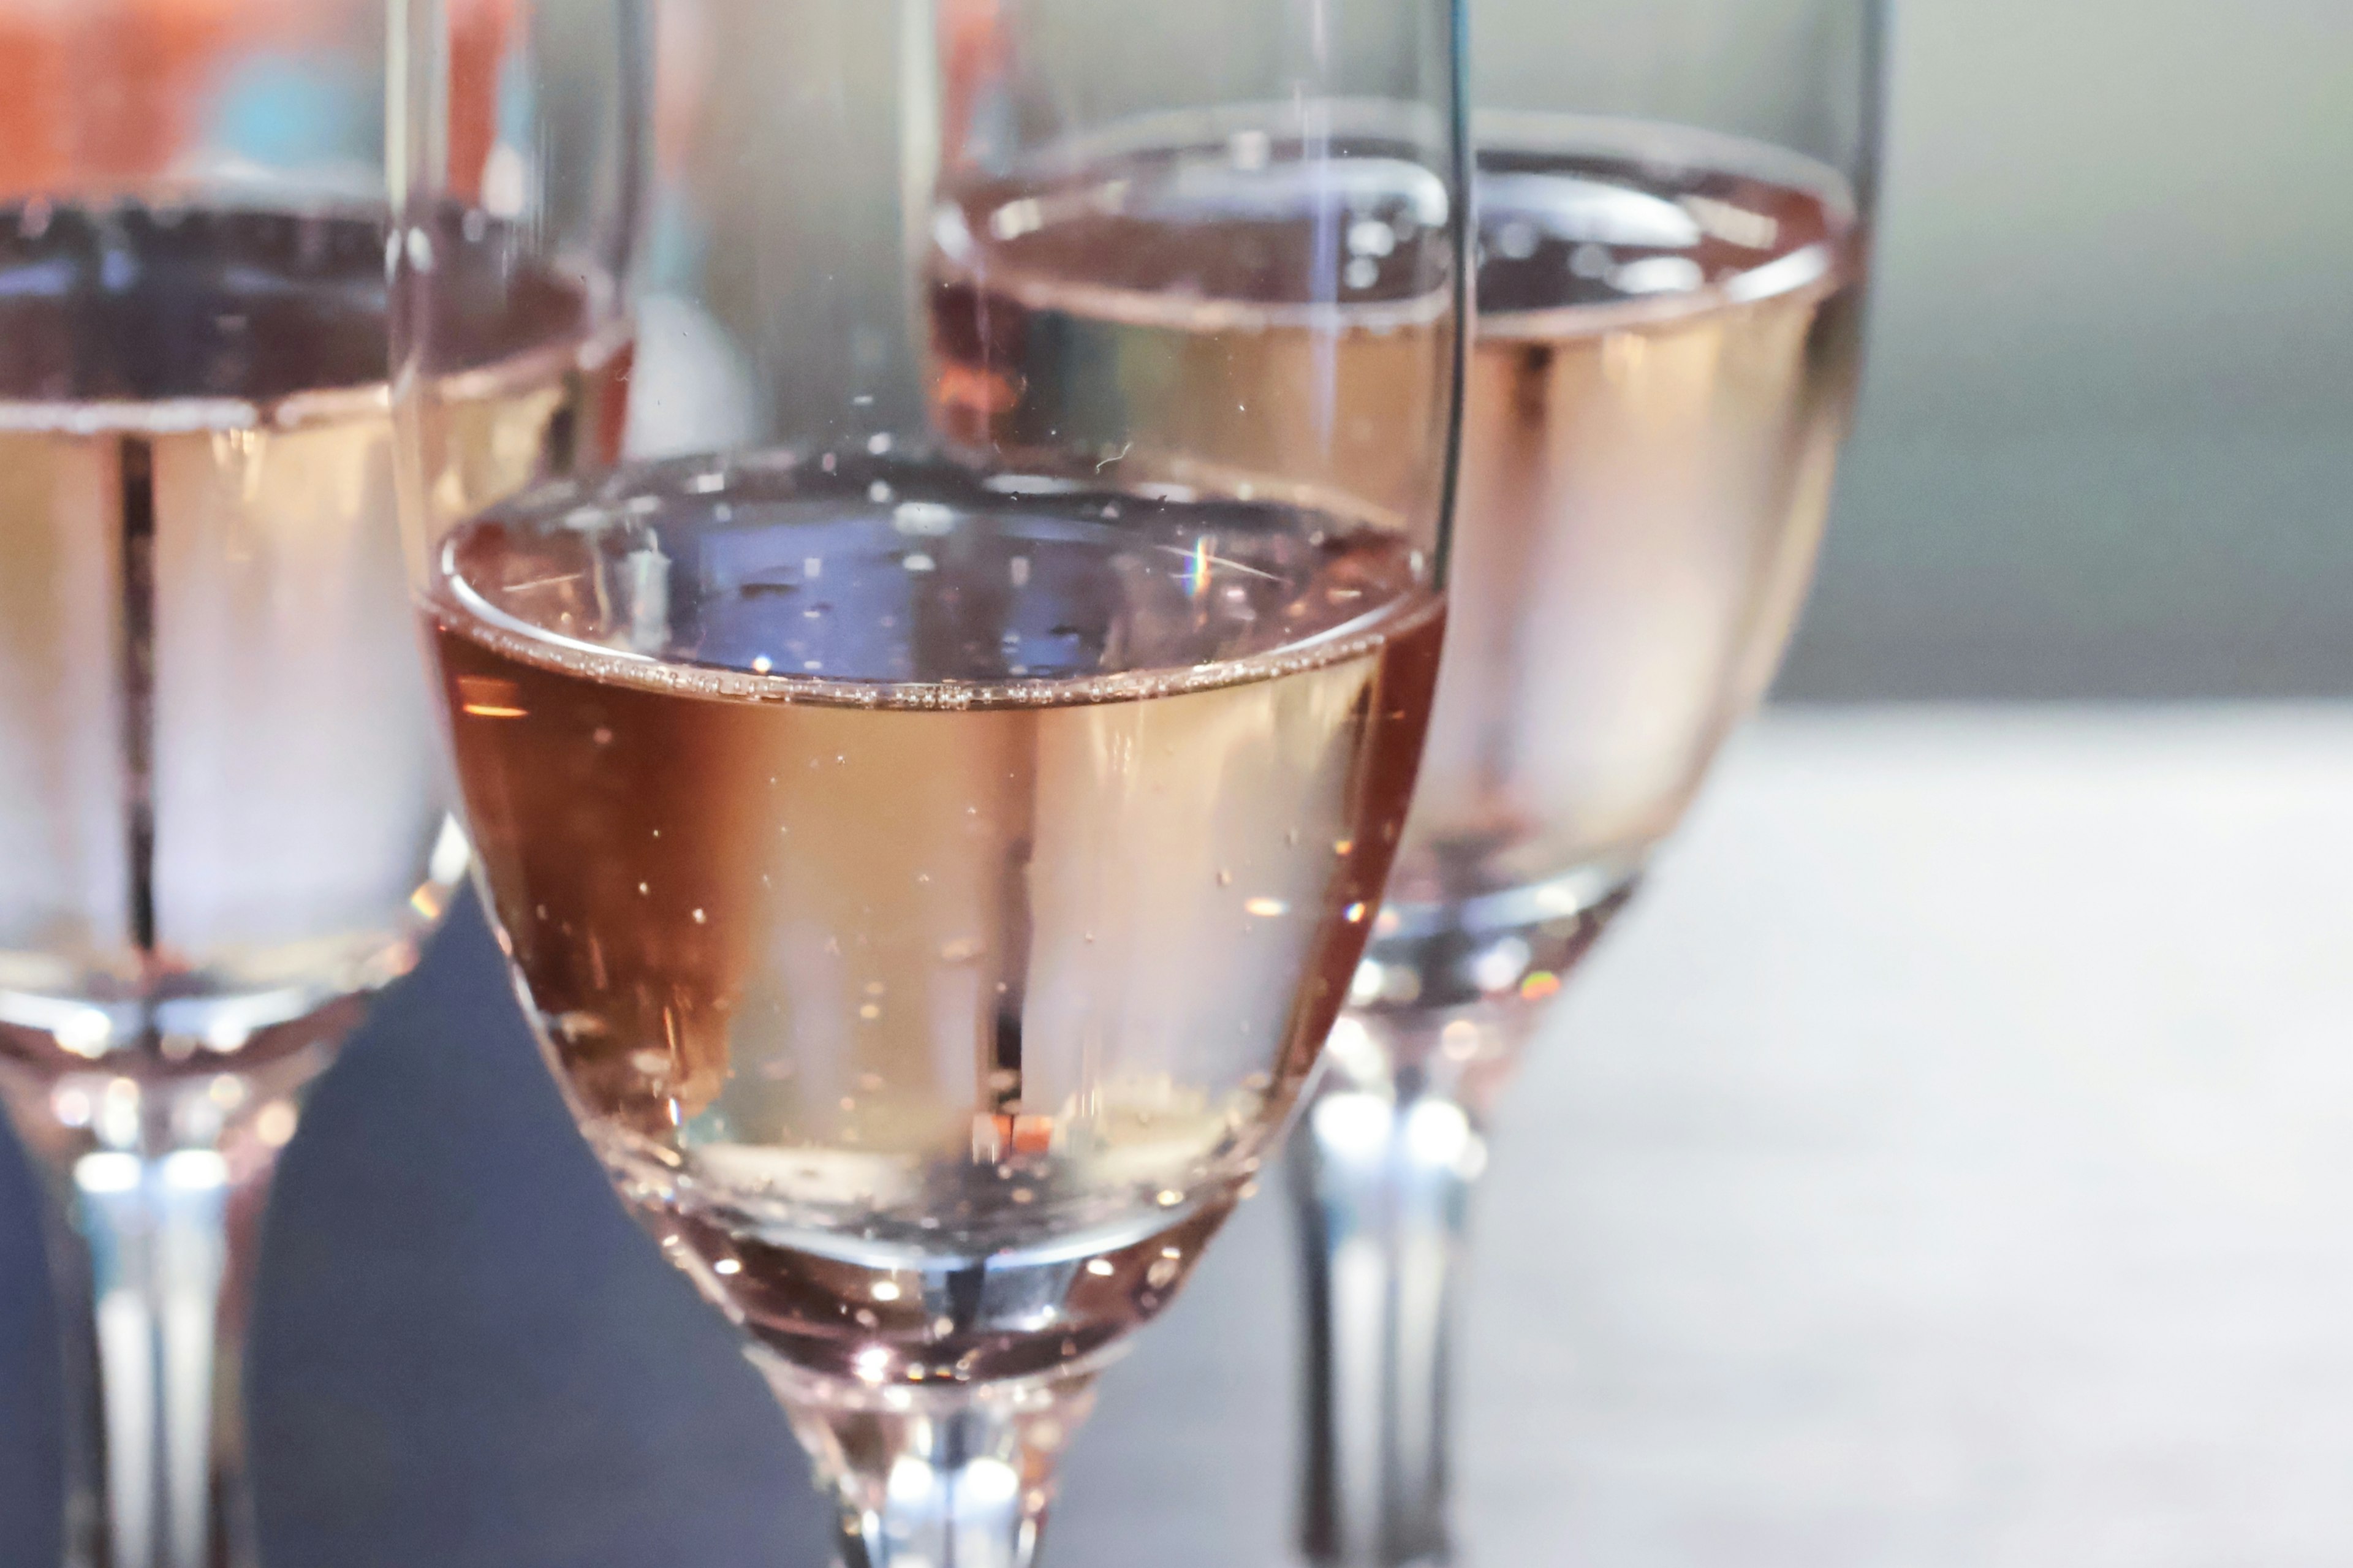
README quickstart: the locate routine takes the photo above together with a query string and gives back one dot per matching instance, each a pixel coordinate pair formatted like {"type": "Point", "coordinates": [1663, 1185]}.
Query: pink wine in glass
{"type": "Point", "coordinates": [1663, 371]}
{"type": "Point", "coordinates": [864, 830]}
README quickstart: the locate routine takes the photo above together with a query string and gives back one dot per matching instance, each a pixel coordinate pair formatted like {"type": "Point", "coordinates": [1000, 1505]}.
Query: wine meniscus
{"type": "Point", "coordinates": [218, 805]}
{"type": "Point", "coordinates": [932, 888]}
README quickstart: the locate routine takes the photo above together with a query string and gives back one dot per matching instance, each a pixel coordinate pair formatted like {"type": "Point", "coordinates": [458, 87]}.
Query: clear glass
{"type": "Point", "coordinates": [1673, 202]}
{"type": "Point", "coordinates": [220, 809]}
{"type": "Point", "coordinates": [934, 771]}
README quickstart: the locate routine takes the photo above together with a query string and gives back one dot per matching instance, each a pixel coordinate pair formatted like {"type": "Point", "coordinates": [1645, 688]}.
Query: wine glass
{"type": "Point", "coordinates": [935, 792]}
{"type": "Point", "coordinates": [1673, 200]}
{"type": "Point", "coordinates": [220, 807]}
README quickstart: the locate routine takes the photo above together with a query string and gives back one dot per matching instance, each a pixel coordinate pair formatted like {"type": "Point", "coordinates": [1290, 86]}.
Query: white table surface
{"type": "Point", "coordinates": [1949, 1162]}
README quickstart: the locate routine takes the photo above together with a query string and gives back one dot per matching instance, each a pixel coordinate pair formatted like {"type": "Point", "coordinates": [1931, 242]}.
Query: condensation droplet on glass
{"type": "Point", "coordinates": [1168, 1198]}
{"type": "Point", "coordinates": [869, 1012]}
{"type": "Point", "coordinates": [643, 889]}
{"type": "Point", "coordinates": [1160, 1274]}
{"type": "Point", "coordinates": [1100, 1268]}
{"type": "Point", "coordinates": [760, 664]}
{"type": "Point", "coordinates": [1225, 879]}
{"type": "Point", "coordinates": [877, 493]}
{"type": "Point", "coordinates": [701, 919]}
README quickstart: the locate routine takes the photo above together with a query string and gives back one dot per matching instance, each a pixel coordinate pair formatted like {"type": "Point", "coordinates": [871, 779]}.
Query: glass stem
{"type": "Point", "coordinates": [156, 1191]}
{"type": "Point", "coordinates": [1382, 1173]}
{"type": "Point", "coordinates": [161, 1260]}
{"type": "Point", "coordinates": [936, 1478]}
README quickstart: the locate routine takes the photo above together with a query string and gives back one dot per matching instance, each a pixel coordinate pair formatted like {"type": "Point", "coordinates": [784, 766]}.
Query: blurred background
{"type": "Point", "coordinates": [2104, 450]}
{"type": "Point", "coordinates": [1950, 1161]}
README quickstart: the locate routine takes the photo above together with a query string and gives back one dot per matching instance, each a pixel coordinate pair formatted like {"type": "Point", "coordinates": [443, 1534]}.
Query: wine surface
{"type": "Point", "coordinates": [931, 890]}
{"type": "Point", "coordinates": [1238, 318]}
{"type": "Point", "coordinates": [218, 805]}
